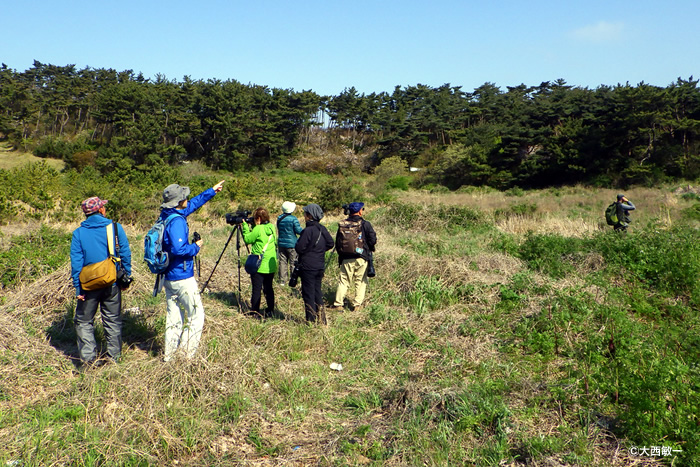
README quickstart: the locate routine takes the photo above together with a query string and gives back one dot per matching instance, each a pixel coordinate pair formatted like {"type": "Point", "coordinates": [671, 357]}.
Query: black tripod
{"type": "Point", "coordinates": [239, 233]}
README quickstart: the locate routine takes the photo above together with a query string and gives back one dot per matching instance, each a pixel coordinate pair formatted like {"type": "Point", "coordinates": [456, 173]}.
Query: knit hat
{"type": "Point", "coordinates": [314, 211]}
{"type": "Point", "coordinates": [288, 207]}
{"type": "Point", "coordinates": [355, 207]}
{"type": "Point", "coordinates": [173, 194]}
{"type": "Point", "coordinates": [92, 205]}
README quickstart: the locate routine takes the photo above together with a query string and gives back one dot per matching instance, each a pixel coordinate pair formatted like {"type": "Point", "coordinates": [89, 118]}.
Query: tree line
{"type": "Point", "coordinates": [527, 136]}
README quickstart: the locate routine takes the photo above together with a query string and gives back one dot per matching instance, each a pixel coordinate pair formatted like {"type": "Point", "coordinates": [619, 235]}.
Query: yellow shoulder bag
{"type": "Point", "coordinates": [99, 275]}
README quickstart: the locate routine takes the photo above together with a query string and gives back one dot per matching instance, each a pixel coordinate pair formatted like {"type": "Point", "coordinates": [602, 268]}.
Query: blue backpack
{"type": "Point", "coordinates": [153, 254]}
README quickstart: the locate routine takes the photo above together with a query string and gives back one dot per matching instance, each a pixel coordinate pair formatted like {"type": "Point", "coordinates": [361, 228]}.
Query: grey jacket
{"type": "Point", "coordinates": [623, 210]}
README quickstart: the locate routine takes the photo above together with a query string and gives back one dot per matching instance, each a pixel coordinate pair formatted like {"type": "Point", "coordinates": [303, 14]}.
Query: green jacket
{"type": "Point", "coordinates": [259, 237]}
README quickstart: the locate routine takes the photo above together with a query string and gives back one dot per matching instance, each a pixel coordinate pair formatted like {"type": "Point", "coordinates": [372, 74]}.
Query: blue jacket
{"type": "Point", "coordinates": [288, 227]}
{"type": "Point", "coordinates": [89, 246]}
{"type": "Point", "coordinates": [176, 239]}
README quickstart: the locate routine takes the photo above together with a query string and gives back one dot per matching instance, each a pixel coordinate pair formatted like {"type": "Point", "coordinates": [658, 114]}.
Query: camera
{"type": "Point", "coordinates": [196, 237]}
{"type": "Point", "coordinates": [294, 276]}
{"type": "Point", "coordinates": [370, 267]}
{"type": "Point", "coordinates": [123, 281]}
{"type": "Point", "coordinates": [239, 217]}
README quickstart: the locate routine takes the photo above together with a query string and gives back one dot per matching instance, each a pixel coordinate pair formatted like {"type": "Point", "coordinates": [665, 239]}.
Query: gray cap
{"type": "Point", "coordinates": [314, 211]}
{"type": "Point", "coordinates": [173, 194]}
{"type": "Point", "coordinates": [620, 196]}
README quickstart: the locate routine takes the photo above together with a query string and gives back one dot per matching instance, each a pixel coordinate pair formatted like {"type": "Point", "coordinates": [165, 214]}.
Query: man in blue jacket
{"type": "Point", "coordinates": [185, 313]}
{"type": "Point", "coordinates": [89, 246]}
{"type": "Point", "coordinates": [288, 228]}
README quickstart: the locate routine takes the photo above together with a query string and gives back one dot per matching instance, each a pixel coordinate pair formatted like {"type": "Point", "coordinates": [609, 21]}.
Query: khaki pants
{"type": "Point", "coordinates": [353, 272]}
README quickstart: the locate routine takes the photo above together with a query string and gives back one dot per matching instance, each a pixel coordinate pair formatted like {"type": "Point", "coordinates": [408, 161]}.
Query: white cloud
{"type": "Point", "coordinates": [600, 32]}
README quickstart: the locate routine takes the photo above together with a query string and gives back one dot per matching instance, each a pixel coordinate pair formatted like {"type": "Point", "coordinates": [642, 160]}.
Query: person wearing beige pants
{"type": "Point", "coordinates": [353, 272]}
{"type": "Point", "coordinates": [355, 241]}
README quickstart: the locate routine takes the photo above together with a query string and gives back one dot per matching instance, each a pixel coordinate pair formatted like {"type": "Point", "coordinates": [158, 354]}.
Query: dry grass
{"type": "Point", "coordinates": [11, 159]}
{"type": "Point", "coordinates": [569, 211]}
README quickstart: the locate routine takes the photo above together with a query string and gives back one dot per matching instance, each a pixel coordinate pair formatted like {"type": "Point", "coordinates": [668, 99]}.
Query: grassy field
{"type": "Point", "coordinates": [501, 329]}
{"type": "Point", "coordinates": [11, 159]}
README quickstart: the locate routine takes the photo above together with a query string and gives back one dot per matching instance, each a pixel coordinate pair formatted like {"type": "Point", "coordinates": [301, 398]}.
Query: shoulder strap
{"type": "Point", "coordinates": [116, 238]}
{"type": "Point", "coordinates": [110, 238]}
{"type": "Point", "coordinates": [270, 237]}
{"type": "Point", "coordinates": [171, 217]}
{"type": "Point", "coordinates": [282, 216]}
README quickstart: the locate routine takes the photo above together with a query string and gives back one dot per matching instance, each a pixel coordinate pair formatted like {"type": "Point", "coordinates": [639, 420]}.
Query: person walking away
{"type": "Point", "coordinates": [263, 241]}
{"type": "Point", "coordinates": [624, 206]}
{"type": "Point", "coordinates": [313, 243]}
{"type": "Point", "coordinates": [90, 245]}
{"type": "Point", "coordinates": [288, 228]}
{"type": "Point", "coordinates": [354, 242]}
{"type": "Point", "coordinates": [184, 319]}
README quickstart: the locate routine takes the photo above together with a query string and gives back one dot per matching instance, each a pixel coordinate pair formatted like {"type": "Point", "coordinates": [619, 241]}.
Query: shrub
{"type": "Point", "coordinates": [667, 261]}
{"type": "Point", "coordinates": [33, 255]}
{"type": "Point", "coordinates": [410, 216]}
{"type": "Point", "coordinates": [399, 182]}
{"type": "Point", "coordinates": [692, 212]}
{"type": "Point", "coordinates": [391, 167]}
{"type": "Point", "coordinates": [547, 253]}
{"type": "Point", "coordinates": [54, 148]}
{"type": "Point", "coordinates": [340, 190]}
{"type": "Point", "coordinates": [521, 209]}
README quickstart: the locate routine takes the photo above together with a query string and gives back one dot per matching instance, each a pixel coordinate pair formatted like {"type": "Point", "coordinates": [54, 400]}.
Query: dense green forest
{"type": "Point", "coordinates": [527, 136]}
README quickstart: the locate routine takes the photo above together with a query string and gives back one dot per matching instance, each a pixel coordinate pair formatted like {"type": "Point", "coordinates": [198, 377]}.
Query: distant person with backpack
{"type": "Point", "coordinates": [354, 242]}
{"type": "Point", "coordinates": [264, 242]}
{"type": "Point", "coordinates": [184, 320]}
{"type": "Point", "coordinates": [622, 210]}
{"type": "Point", "coordinates": [94, 271]}
{"type": "Point", "coordinates": [288, 228]}
{"type": "Point", "coordinates": [313, 243]}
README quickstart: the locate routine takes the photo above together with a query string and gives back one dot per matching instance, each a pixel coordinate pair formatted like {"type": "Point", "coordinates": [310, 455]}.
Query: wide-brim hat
{"type": "Point", "coordinates": [92, 205]}
{"type": "Point", "coordinates": [173, 194]}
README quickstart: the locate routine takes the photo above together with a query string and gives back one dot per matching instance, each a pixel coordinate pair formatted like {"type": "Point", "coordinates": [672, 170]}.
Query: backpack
{"type": "Point", "coordinates": [153, 254]}
{"type": "Point", "coordinates": [350, 237]}
{"type": "Point", "coordinates": [611, 214]}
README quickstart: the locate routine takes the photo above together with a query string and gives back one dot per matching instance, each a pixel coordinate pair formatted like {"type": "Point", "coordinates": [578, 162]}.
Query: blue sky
{"type": "Point", "coordinates": [327, 46]}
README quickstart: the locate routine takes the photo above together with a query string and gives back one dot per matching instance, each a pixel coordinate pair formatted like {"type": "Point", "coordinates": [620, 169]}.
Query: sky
{"type": "Point", "coordinates": [329, 46]}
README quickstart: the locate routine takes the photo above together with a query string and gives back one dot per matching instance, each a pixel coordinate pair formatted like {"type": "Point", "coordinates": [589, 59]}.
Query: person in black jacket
{"type": "Point", "coordinates": [354, 263]}
{"type": "Point", "coordinates": [311, 248]}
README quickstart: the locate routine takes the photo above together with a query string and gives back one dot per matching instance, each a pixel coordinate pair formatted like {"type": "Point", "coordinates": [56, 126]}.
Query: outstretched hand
{"type": "Point", "coordinates": [219, 186]}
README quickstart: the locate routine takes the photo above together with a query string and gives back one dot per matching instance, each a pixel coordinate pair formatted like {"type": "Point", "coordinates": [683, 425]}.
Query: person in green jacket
{"type": "Point", "coordinates": [264, 242]}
